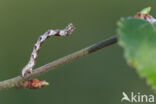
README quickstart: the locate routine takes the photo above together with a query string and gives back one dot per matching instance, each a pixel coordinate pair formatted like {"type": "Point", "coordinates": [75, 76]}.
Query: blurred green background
{"type": "Point", "coordinates": [99, 78]}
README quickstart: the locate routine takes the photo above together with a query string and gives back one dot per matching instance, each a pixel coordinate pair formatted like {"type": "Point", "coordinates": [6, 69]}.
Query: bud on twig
{"type": "Point", "coordinates": [34, 84]}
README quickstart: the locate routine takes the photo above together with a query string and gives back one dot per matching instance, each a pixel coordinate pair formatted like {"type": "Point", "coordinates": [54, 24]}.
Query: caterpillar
{"type": "Point", "coordinates": [31, 63]}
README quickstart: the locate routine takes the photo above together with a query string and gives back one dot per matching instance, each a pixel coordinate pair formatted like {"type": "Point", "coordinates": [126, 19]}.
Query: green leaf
{"type": "Point", "coordinates": [138, 38]}
{"type": "Point", "coordinates": [146, 10]}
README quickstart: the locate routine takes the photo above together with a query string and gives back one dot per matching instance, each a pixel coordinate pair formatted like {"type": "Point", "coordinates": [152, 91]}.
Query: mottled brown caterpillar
{"type": "Point", "coordinates": [65, 32]}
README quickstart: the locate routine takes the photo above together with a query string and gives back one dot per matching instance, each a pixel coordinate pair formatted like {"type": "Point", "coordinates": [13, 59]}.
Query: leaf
{"type": "Point", "coordinates": [146, 10]}
{"type": "Point", "coordinates": [138, 38]}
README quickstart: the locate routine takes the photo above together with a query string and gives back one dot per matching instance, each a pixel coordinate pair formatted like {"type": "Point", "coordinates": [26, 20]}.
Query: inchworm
{"type": "Point", "coordinates": [65, 32]}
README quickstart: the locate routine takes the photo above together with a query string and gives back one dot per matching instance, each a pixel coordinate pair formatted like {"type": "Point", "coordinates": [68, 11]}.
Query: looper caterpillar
{"type": "Point", "coordinates": [65, 32]}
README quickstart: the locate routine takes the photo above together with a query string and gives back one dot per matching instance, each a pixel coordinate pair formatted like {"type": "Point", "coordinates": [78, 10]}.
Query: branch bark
{"type": "Point", "coordinates": [15, 82]}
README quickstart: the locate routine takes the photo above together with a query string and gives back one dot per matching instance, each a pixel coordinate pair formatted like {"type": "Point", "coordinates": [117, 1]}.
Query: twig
{"type": "Point", "coordinates": [15, 82]}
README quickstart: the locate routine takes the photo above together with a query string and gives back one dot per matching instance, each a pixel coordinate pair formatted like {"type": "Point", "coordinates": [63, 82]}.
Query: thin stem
{"type": "Point", "coordinates": [15, 82]}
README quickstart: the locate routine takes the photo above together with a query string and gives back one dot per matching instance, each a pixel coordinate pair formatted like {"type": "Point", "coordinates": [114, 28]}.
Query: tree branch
{"type": "Point", "coordinates": [15, 82]}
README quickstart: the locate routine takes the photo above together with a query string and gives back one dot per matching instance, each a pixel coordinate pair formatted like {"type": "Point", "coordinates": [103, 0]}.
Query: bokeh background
{"type": "Point", "coordinates": [99, 78]}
